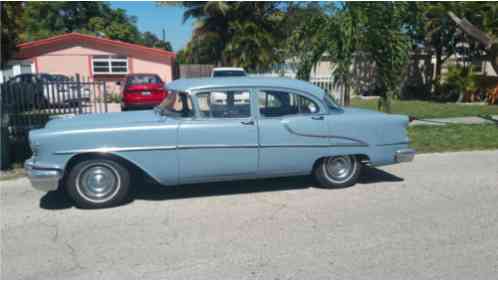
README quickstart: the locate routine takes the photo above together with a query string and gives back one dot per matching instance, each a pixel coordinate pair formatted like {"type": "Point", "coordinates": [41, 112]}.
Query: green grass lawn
{"type": "Point", "coordinates": [425, 109]}
{"type": "Point", "coordinates": [427, 139]}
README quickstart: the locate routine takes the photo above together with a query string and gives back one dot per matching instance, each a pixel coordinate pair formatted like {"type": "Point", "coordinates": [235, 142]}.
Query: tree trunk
{"type": "Point", "coordinates": [461, 96]}
{"type": "Point", "coordinates": [439, 68]}
{"type": "Point", "coordinates": [347, 93]}
{"type": "Point", "coordinates": [304, 73]}
{"type": "Point", "coordinates": [384, 102]}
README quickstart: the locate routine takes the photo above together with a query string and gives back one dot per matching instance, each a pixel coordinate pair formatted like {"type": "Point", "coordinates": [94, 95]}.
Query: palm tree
{"type": "Point", "coordinates": [236, 33]}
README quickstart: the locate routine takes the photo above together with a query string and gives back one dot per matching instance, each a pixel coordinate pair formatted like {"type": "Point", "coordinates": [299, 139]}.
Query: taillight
{"type": "Point", "coordinates": [412, 118]}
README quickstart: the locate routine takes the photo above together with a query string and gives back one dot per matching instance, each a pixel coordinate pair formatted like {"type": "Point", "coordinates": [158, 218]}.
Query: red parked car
{"type": "Point", "coordinates": [142, 91]}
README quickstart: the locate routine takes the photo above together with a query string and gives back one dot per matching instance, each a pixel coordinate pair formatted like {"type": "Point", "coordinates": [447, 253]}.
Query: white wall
{"type": "Point", "coordinates": [16, 67]}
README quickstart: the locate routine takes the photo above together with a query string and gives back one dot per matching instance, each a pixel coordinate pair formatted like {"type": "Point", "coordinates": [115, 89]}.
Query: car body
{"type": "Point", "coordinates": [142, 91]}
{"type": "Point", "coordinates": [217, 129]}
{"type": "Point", "coordinates": [52, 89]}
{"type": "Point", "coordinates": [228, 72]}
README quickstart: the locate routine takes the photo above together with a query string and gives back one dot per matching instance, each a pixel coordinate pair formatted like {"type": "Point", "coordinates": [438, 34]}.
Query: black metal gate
{"type": "Point", "coordinates": [26, 106]}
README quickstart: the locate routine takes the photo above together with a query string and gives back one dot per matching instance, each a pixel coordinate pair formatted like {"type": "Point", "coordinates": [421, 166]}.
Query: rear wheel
{"type": "Point", "coordinates": [98, 183]}
{"type": "Point", "coordinates": [338, 171]}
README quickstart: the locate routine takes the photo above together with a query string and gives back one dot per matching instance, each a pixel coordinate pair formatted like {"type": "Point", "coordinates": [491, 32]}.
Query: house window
{"type": "Point", "coordinates": [477, 65]}
{"type": "Point", "coordinates": [110, 65]}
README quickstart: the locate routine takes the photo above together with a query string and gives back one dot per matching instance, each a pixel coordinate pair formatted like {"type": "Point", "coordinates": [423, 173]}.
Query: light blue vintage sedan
{"type": "Point", "coordinates": [215, 129]}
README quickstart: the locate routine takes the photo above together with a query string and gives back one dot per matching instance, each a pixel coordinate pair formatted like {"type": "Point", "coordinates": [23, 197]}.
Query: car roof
{"type": "Point", "coordinates": [184, 85]}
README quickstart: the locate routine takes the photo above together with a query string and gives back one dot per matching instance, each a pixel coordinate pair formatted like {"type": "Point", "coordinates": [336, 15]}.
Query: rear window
{"type": "Point", "coordinates": [228, 73]}
{"type": "Point", "coordinates": [143, 79]}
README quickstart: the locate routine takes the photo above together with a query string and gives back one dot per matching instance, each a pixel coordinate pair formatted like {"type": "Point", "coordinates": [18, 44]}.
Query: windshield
{"type": "Point", "coordinates": [229, 73]}
{"type": "Point", "coordinates": [176, 105]}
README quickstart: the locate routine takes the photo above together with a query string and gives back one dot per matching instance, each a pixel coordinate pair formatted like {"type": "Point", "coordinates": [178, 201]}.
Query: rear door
{"type": "Point", "coordinates": [293, 132]}
{"type": "Point", "coordinates": [222, 141]}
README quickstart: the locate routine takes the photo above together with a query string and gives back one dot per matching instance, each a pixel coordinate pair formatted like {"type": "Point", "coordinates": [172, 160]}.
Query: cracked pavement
{"type": "Point", "coordinates": [433, 218]}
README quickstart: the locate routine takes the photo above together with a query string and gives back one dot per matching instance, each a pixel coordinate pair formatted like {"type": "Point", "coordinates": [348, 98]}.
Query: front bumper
{"type": "Point", "coordinates": [42, 178]}
{"type": "Point", "coordinates": [404, 155]}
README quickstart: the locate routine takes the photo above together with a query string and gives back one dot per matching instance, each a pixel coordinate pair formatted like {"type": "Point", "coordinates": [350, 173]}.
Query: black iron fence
{"type": "Point", "coordinates": [25, 106]}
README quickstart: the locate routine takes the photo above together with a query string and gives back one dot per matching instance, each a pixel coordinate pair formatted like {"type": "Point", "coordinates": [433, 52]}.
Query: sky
{"type": "Point", "coordinates": [153, 18]}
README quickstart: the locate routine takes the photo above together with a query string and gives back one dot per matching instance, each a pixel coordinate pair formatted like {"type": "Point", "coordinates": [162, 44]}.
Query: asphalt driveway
{"type": "Point", "coordinates": [434, 218]}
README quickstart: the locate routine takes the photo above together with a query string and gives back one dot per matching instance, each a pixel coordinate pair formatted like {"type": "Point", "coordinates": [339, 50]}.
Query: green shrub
{"type": "Point", "coordinates": [458, 82]}
{"type": "Point", "coordinates": [114, 98]}
{"type": "Point", "coordinates": [110, 98]}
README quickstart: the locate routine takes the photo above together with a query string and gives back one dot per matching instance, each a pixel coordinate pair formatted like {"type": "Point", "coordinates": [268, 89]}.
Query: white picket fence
{"type": "Point", "coordinates": [327, 84]}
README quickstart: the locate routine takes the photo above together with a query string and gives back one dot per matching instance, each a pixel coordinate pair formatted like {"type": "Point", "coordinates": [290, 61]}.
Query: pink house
{"type": "Point", "coordinates": [94, 57]}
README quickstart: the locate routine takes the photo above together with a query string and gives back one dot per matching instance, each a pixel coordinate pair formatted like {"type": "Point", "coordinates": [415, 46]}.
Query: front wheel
{"type": "Point", "coordinates": [338, 171]}
{"type": "Point", "coordinates": [98, 183]}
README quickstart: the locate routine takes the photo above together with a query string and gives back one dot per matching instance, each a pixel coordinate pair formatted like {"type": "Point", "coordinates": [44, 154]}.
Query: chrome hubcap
{"type": "Point", "coordinates": [340, 168]}
{"type": "Point", "coordinates": [98, 183]}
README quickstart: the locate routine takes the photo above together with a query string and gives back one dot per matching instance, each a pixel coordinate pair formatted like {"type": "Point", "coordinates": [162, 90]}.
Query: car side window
{"type": "Point", "coordinates": [178, 104]}
{"type": "Point", "coordinates": [224, 104]}
{"type": "Point", "coordinates": [279, 103]}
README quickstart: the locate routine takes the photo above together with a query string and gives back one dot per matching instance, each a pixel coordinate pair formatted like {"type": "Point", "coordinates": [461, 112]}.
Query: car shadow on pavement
{"type": "Point", "coordinates": [374, 175]}
{"type": "Point", "coordinates": [147, 190]}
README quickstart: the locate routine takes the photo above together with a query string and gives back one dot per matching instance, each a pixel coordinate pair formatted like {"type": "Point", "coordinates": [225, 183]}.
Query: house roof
{"type": "Point", "coordinates": [182, 85]}
{"type": "Point", "coordinates": [40, 47]}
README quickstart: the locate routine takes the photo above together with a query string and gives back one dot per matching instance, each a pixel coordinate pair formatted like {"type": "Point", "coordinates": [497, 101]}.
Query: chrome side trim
{"type": "Point", "coordinates": [150, 148]}
{"type": "Point", "coordinates": [215, 146]}
{"type": "Point", "coordinates": [395, 143]}
{"type": "Point", "coordinates": [115, 149]}
{"type": "Point", "coordinates": [119, 129]}
{"type": "Point", "coordinates": [360, 142]}
{"type": "Point", "coordinates": [311, 145]}
{"type": "Point", "coordinates": [188, 147]}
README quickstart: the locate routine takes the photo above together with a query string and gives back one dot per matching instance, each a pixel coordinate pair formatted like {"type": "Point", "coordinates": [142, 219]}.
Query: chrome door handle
{"type": "Point", "coordinates": [317, 118]}
{"type": "Point", "coordinates": [250, 122]}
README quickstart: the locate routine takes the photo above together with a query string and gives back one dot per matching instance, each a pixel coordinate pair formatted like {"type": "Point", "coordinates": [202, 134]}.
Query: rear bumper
{"type": "Point", "coordinates": [42, 178]}
{"type": "Point", "coordinates": [404, 155]}
{"type": "Point", "coordinates": [144, 105]}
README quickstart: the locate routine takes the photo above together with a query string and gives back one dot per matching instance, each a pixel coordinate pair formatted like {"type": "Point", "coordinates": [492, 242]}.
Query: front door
{"type": "Point", "coordinates": [222, 141]}
{"type": "Point", "coordinates": [293, 132]}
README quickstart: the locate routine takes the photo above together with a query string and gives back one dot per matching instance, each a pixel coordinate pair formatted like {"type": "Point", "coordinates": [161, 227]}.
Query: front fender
{"type": "Point", "coordinates": [149, 146]}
